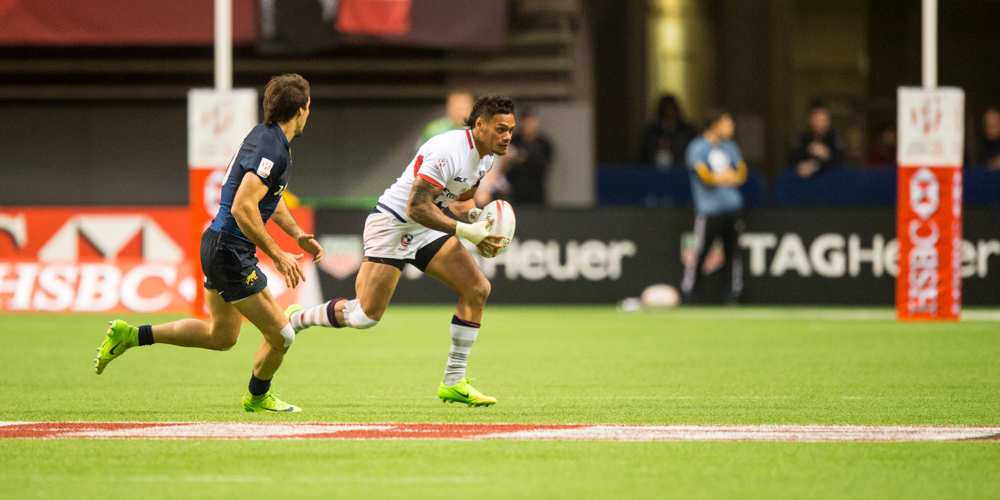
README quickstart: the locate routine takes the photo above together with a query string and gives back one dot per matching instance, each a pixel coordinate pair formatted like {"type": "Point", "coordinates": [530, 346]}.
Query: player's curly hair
{"type": "Point", "coordinates": [489, 105]}
{"type": "Point", "coordinates": [283, 96]}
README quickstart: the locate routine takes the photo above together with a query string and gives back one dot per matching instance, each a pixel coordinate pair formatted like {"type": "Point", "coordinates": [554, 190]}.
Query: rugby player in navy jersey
{"type": "Point", "coordinates": [234, 286]}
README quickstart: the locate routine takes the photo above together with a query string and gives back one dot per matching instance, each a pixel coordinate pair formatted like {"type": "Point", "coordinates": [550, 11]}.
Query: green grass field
{"type": "Point", "coordinates": [545, 365]}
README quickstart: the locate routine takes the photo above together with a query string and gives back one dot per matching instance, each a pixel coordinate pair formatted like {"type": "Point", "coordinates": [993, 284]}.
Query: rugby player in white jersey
{"type": "Point", "coordinates": [408, 226]}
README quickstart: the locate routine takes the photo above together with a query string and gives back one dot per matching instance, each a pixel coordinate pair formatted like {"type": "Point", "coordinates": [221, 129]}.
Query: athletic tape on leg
{"type": "Point", "coordinates": [355, 317]}
{"type": "Point", "coordinates": [289, 334]}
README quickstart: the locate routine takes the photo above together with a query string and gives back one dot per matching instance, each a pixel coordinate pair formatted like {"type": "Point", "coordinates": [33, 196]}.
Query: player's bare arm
{"type": "Point", "coordinates": [463, 207]}
{"type": "Point", "coordinates": [247, 215]}
{"type": "Point", "coordinates": [286, 221]}
{"type": "Point", "coordinates": [422, 210]}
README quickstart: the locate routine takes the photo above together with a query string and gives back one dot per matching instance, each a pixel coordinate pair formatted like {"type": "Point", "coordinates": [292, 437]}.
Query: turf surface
{"type": "Point", "coordinates": [545, 365]}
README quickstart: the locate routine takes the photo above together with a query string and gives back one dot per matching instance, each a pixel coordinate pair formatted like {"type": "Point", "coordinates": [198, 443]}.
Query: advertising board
{"type": "Point", "coordinates": [116, 259]}
{"type": "Point", "coordinates": [793, 255]}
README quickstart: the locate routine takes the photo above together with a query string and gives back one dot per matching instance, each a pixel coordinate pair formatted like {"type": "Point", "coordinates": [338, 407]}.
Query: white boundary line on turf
{"type": "Point", "coordinates": [568, 432]}
{"type": "Point", "coordinates": [759, 433]}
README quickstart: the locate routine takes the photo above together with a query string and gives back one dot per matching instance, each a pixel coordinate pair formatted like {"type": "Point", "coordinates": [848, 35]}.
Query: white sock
{"type": "Point", "coordinates": [463, 334]}
{"type": "Point", "coordinates": [321, 315]}
{"type": "Point", "coordinates": [355, 317]}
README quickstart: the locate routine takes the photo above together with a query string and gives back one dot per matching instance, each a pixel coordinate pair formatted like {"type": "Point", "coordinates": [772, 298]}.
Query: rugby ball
{"type": "Point", "coordinates": [503, 221]}
{"type": "Point", "coordinates": [660, 296]}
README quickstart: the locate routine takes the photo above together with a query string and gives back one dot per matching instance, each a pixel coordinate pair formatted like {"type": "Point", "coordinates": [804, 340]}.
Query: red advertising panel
{"type": "Point", "coordinates": [115, 259]}
{"type": "Point", "coordinates": [929, 207]}
{"type": "Point", "coordinates": [120, 22]}
{"type": "Point", "coordinates": [94, 259]}
{"type": "Point", "coordinates": [374, 17]}
{"type": "Point", "coordinates": [929, 227]}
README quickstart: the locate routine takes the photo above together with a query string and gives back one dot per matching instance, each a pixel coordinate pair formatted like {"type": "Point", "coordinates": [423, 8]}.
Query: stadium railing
{"type": "Point", "coordinates": [845, 186]}
{"type": "Point", "coordinates": [648, 185]}
{"type": "Point", "coordinates": [851, 185]}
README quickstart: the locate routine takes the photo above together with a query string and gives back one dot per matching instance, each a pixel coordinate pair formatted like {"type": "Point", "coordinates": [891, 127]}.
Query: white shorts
{"type": "Point", "coordinates": [388, 238]}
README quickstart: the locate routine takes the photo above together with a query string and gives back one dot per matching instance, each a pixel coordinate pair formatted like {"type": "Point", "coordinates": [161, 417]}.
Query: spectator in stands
{"type": "Point", "coordinates": [883, 151]}
{"type": "Point", "coordinates": [665, 141]}
{"type": "Point", "coordinates": [526, 164]}
{"type": "Point", "coordinates": [818, 150]}
{"type": "Point", "coordinates": [989, 148]}
{"type": "Point", "coordinates": [457, 109]}
{"type": "Point", "coordinates": [717, 171]}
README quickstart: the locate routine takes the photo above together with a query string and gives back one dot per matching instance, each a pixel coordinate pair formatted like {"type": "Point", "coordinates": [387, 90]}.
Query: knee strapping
{"type": "Point", "coordinates": [288, 333]}
{"type": "Point", "coordinates": [355, 317]}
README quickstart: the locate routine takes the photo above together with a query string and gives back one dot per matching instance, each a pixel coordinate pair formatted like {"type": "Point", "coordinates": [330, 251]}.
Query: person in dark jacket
{"type": "Point", "coordinates": [989, 149]}
{"type": "Point", "coordinates": [819, 149]}
{"type": "Point", "coordinates": [528, 162]}
{"type": "Point", "coordinates": [665, 141]}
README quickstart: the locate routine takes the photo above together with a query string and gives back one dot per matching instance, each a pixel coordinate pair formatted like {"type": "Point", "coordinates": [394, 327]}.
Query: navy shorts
{"type": "Point", "coordinates": [230, 266]}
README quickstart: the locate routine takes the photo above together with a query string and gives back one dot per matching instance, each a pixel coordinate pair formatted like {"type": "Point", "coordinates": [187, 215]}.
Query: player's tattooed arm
{"type": "Point", "coordinates": [422, 210]}
{"type": "Point", "coordinates": [464, 205]}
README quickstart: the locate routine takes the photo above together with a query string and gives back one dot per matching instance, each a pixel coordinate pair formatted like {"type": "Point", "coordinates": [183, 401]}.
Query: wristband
{"type": "Point", "coordinates": [474, 214]}
{"type": "Point", "coordinates": [475, 233]}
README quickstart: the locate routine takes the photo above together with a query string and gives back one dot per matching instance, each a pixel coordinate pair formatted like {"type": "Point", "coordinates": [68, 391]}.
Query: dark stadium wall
{"type": "Point", "coordinates": [968, 53]}
{"type": "Point", "coordinates": [618, 37]}
{"type": "Point", "coordinates": [136, 153]}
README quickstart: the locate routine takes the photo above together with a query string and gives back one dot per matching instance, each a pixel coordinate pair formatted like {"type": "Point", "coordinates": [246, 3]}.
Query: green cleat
{"type": "Point", "coordinates": [288, 313]}
{"type": "Point", "coordinates": [121, 337]}
{"type": "Point", "coordinates": [266, 402]}
{"type": "Point", "coordinates": [462, 392]}
{"type": "Point", "coordinates": [292, 308]}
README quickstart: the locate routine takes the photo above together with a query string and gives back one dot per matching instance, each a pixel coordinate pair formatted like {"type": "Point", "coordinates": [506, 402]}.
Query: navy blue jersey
{"type": "Point", "coordinates": [264, 153]}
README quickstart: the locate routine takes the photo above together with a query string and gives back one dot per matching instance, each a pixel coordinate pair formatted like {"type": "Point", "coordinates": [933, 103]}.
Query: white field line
{"type": "Point", "coordinates": [769, 433]}
{"type": "Point", "coordinates": [266, 431]}
{"type": "Point", "coordinates": [209, 478]}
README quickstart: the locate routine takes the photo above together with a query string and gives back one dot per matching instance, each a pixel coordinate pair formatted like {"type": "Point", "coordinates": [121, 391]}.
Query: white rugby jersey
{"type": "Point", "coordinates": [450, 161]}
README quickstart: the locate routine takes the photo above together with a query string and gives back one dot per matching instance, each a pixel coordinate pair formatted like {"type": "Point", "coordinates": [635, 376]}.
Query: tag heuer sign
{"type": "Point", "coordinates": [342, 254]}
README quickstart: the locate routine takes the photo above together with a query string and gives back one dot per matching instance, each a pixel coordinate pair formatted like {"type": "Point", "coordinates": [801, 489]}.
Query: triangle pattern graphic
{"type": "Point", "coordinates": [157, 245]}
{"type": "Point", "coordinates": [62, 246]}
{"type": "Point", "coordinates": [109, 233]}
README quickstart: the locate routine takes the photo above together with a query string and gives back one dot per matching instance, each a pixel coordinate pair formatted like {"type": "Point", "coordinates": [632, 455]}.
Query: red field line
{"type": "Point", "coordinates": [232, 430]}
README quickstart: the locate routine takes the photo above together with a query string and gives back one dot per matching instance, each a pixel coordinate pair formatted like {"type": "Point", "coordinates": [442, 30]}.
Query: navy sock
{"type": "Point", "coordinates": [331, 314]}
{"type": "Point", "coordinates": [146, 335]}
{"type": "Point", "coordinates": [258, 386]}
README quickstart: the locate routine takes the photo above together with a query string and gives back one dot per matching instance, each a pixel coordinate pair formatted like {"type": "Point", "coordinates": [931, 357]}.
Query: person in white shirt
{"type": "Point", "coordinates": [408, 226]}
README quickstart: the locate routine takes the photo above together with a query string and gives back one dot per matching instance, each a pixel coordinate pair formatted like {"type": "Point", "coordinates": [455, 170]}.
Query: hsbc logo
{"type": "Point", "coordinates": [923, 235]}
{"type": "Point", "coordinates": [16, 226]}
{"type": "Point", "coordinates": [49, 273]}
{"type": "Point", "coordinates": [925, 193]}
{"type": "Point", "coordinates": [109, 234]}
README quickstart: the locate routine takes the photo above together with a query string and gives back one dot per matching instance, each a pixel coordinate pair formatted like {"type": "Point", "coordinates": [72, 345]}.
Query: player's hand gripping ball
{"type": "Point", "coordinates": [503, 222]}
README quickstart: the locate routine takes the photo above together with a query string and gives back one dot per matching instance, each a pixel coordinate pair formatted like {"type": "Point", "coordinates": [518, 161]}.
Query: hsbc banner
{"type": "Point", "coordinates": [600, 256]}
{"type": "Point", "coordinates": [94, 259]}
{"type": "Point", "coordinates": [115, 259]}
{"type": "Point", "coordinates": [929, 207]}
